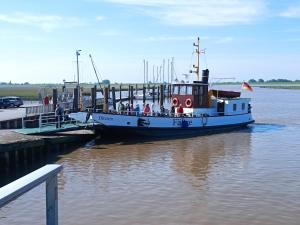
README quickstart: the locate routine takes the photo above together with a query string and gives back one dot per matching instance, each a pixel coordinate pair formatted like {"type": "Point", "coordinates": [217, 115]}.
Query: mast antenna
{"type": "Point", "coordinates": [198, 52]}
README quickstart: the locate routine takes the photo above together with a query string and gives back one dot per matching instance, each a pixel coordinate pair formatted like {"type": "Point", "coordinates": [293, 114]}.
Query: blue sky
{"type": "Point", "coordinates": [243, 39]}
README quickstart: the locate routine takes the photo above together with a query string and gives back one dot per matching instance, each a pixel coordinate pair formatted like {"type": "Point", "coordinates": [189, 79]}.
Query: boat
{"type": "Point", "coordinates": [202, 111]}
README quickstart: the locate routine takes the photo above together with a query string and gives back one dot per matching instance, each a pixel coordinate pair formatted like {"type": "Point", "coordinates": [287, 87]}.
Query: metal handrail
{"type": "Point", "coordinates": [49, 119]}
{"type": "Point", "coordinates": [19, 187]}
{"type": "Point", "coordinates": [168, 113]}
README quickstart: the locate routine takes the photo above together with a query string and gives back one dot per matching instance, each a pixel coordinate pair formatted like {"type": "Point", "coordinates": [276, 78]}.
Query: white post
{"type": "Point", "coordinates": [51, 201]}
{"type": "Point", "coordinates": [23, 123]}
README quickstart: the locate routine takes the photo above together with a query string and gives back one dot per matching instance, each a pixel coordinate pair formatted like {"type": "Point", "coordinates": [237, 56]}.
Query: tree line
{"type": "Point", "coordinates": [280, 80]}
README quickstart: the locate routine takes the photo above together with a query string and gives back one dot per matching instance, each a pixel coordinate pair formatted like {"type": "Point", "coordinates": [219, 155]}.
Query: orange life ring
{"type": "Point", "coordinates": [175, 102]}
{"type": "Point", "coordinates": [188, 103]}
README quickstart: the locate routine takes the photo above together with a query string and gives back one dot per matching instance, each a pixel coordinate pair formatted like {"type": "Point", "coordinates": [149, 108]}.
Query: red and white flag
{"type": "Point", "coordinates": [246, 86]}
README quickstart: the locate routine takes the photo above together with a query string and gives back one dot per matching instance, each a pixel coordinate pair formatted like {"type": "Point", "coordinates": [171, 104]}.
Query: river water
{"type": "Point", "coordinates": [250, 176]}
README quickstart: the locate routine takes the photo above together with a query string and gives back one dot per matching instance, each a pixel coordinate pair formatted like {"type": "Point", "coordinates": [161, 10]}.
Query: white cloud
{"type": "Point", "coordinates": [291, 12]}
{"type": "Point", "coordinates": [44, 22]}
{"type": "Point", "coordinates": [201, 12]}
{"type": "Point", "coordinates": [99, 18]}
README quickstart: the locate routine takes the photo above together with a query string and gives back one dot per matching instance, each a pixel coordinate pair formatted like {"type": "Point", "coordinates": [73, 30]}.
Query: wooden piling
{"type": "Point", "coordinates": [54, 98]}
{"type": "Point", "coordinates": [75, 99]}
{"type": "Point", "coordinates": [161, 102]}
{"type": "Point", "coordinates": [153, 93]}
{"type": "Point", "coordinates": [131, 95]}
{"type": "Point", "coordinates": [94, 96]}
{"type": "Point", "coordinates": [106, 96]}
{"type": "Point", "coordinates": [144, 94]}
{"type": "Point", "coordinates": [113, 92]}
{"type": "Point", "coordinates": [120, 93]}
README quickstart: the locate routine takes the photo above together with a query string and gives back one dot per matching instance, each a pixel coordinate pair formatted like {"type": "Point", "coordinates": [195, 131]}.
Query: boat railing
{"type": "Point", "coordinates": [19, 187]}
{"type": "Point", "coordinates": [167, 113]}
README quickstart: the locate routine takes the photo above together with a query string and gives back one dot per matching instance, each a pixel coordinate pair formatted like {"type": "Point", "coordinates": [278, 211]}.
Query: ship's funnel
{"type": "Point", "coordinates": [205, 75]}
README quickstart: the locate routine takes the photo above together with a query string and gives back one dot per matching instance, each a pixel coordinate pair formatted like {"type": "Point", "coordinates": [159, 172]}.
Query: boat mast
{"type": "Point", "coordinates": [197, 67]}
{"type": "Point", "coordinates": [95, 70]}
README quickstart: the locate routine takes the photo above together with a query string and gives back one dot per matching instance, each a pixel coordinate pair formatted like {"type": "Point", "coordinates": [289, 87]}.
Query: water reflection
{"type": "Point", "coordinates": [199, 158]}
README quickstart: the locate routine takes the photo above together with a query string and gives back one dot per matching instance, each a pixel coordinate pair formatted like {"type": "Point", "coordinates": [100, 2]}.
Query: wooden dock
{"type": "Point", "coordinates": [17, 150]}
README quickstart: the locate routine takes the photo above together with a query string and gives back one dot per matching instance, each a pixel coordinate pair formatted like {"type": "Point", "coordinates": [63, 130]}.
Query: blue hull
{"type": "Point", "coordinates": [166, 132]}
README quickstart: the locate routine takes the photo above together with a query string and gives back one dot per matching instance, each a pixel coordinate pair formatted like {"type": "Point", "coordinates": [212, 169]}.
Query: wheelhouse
{"type": "Point", "coordinates": [194, 95]}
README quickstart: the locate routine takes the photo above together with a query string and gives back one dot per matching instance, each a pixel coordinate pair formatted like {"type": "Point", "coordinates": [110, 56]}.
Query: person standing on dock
{"type": "Point", "coordinates": [46, 100]}
{"type": "Point", "coordinates": [59, 112]}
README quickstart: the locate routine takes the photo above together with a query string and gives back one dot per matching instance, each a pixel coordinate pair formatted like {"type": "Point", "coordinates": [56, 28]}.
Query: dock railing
{"type": "Point", "coordinates": [19, 187]}
{"type": "Point", "coordinates": [38, 109]}
{"type": "Point", "coordinates": [48, 119]}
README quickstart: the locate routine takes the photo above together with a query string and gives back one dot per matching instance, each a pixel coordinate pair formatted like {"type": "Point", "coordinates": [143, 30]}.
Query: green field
{"type": "Point", "coordinates": [32, 92]}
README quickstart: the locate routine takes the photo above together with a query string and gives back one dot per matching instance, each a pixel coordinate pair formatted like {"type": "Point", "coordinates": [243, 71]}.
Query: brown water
{"type": "Point", "coordinates": [250, 176]}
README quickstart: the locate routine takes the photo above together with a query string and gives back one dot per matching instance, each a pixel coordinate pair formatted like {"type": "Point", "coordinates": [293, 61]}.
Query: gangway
{"type": "Point", "coordinates": [48, 124]}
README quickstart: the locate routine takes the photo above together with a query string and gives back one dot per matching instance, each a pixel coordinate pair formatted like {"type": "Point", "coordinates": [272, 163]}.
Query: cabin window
{"type": "Point", "coordinates": [189, 90]}
{"type": "Point", "coordinates": [182, 90]}
{"type": "Point", "coordinates": [234, 107]}
{"type": "Point", "coordinates": [176, 90]}
{"type": "Point", "coordinates": [243, 106]}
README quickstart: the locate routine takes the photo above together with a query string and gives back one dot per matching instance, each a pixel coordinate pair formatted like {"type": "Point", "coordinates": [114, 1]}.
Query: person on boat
{"type": "Point", "coordinates": [131, 110]}
{"type": "Point", "coordinates": [137, 109]}
{"type": "Point", "coordinates": [121, 108]}
{"type": "Point", "coordinates": [172, 110]}
{"type": "Point", "coordinates": [127, 108]}
{"type": "Point", "coordinates": [179, 110]}
{"type": "Point", "coordinates": [162, 111]}
{"type": "Point", "coordinates": [152, 109]}
{"type": "Point", "coordinates": [59, 112]}
{"type": "Point", "coordinates": [146, 110]}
